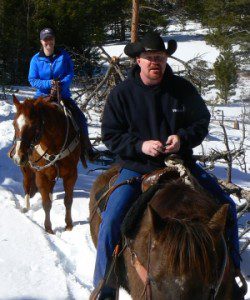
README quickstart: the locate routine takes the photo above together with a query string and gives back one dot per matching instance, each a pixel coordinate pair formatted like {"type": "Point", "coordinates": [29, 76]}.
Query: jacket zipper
{"type": "Point", "coordinates": [51, 70]}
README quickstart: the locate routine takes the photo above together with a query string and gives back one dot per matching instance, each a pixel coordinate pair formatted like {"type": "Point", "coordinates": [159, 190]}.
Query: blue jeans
{"type": "Point", "coordinates": [78, 116]}
{"type": "Point", "coordinates": [210, 184]}
{"type": "Point", "coordinates": [109, 232]}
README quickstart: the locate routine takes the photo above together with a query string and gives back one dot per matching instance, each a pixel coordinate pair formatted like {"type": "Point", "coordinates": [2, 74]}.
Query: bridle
{"type": "Point", "coordinates": [31, 144]}
{"type": "Point", "coordinates": [52, 158]}
{"type": "Point", "coordinates": [143, 273]}
{"type": "Point", "coordinates": [148, 280]}
{"type": "Point", "coordinates": [64, 151]}
{"type": "Point", "coordinates": [216, 285]}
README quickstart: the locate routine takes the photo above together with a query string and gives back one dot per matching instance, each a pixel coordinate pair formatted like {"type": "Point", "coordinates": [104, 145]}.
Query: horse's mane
{"type": "Point", "coordinates": [39, 105]}
{"type": "Point", "coordinates": [188, 243]}
{"type": "Point", "coordinates": [28, 103]}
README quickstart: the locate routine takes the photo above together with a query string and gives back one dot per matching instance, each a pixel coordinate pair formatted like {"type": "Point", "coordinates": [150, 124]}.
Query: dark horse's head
{"type": "Point", "coordinates": [28, 128]}
{"type": "Point", "coordinates": [181, 242]}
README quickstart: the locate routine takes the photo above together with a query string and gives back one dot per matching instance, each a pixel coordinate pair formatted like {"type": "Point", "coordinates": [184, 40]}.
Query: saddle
{"type": "Point", "coordinates": [174, 169]}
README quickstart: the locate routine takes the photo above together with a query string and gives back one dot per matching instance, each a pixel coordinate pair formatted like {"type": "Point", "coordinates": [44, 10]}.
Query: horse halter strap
{"type": "Point", "coordinates": [35, 140]}
{"type": "Point", "coordinates": [64, 151]}
{"type": "Point", "coordinates": [214, 289]}
{"type": "Point", "coordinates": [142, 272]}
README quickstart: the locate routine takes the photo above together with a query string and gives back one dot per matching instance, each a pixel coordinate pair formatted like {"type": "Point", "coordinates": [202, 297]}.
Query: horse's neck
{"type": "Point", "coordinates": [54, 128]}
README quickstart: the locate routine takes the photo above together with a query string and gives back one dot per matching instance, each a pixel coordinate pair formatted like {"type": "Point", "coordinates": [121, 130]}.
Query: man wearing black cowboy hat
{"type": "Point", "coordinates": [149, 115]}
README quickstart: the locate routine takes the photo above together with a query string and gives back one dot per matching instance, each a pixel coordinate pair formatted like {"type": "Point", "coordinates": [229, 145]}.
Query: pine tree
{"type": "Point", "coordinates": [226, 74]}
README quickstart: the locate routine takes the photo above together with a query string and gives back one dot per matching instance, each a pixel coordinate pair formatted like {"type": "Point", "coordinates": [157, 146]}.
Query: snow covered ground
{"type": "Point", "coordinates": [35, 265]}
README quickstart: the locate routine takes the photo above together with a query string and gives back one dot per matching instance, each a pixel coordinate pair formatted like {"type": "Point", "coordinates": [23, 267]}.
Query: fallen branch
{"type": "Point", "coordinates": [245, 245]}
{"type": "Point", "coordinates": [246, 230]}
{"type": "Point", "coordinates": [232, 188]}
{"type": "Point", "coordinates": [215, 155]}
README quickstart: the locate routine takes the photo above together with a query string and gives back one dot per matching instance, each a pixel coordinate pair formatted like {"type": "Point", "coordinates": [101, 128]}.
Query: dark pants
{"type": "Point", "coordinates": [78, 116]}
{"type": "Point", "coordinates": [121, 200]}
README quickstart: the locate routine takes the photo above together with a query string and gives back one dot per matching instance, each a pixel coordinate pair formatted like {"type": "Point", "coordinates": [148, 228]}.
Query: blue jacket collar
{"type": "Point", "coordinates": [56, 53]}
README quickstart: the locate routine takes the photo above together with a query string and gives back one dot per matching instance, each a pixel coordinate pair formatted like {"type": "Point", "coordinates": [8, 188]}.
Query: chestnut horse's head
{"type": "Point", "coordinates": [181, 244]}
{"type": "Point", "coordinates": [28, 129]}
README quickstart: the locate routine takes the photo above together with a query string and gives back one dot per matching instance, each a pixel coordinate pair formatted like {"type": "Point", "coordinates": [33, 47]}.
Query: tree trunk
{"type": "Point", "coordinates": [135, 21]}
{"type": "Point", "coordinates": [123, 30]}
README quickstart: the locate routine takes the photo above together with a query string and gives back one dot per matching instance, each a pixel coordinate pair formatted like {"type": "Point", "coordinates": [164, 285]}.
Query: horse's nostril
{"type": "Point", "coordinates": [16, 160]}
{"type": "Point", "coordinates": [12, 152]}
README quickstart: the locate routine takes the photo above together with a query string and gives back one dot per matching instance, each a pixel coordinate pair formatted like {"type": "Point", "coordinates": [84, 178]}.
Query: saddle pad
{"type": "Point", "coordinates": [131, 222]}
{"type": "Point", "coordinates": [103, 202]}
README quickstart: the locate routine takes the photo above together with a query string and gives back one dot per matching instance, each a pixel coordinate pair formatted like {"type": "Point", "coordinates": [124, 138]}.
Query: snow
{"type": "Point", "coordinates": [36, 265]}
{"type": "Point", "coordinates": [25, 251]}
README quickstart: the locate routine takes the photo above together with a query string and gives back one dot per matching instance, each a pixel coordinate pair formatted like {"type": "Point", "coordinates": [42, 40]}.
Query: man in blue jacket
{"type": "Point", "coordinates": [149, 115]}
{"type": "Point", "coordinates": [51, 64]}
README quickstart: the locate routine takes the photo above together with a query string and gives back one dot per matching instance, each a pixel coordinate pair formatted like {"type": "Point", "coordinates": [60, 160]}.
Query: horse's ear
{"type": "Point", "coordinates": [16, 101]}
{"type": "Point", "coordinates": [218, 221]}
{"type": "Point", "coordinates": [155, 219]}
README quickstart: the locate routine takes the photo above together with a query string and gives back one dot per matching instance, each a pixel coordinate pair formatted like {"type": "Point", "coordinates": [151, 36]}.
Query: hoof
{"type": "Point", "coordinates": [49, 230]}
{"type": "Point", "coordinates": [24, 210]}
{"type": "Point", "coordinates": [69, 228]}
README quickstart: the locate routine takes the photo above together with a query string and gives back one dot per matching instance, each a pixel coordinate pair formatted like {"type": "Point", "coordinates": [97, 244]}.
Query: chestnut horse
{"type": "Point", "coordinates": [178, 250]}
{"type": "Point", "coordinates": [46, 147]}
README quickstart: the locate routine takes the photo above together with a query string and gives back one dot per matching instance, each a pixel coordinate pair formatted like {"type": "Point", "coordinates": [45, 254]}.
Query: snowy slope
{"type": "Point", "coordinates": [35, 265]}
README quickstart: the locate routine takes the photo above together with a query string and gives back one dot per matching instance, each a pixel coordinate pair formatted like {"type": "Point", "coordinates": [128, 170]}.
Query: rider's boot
{"type": "Point", "coordinates": [239, 291]}
{"type": "Point", "coordinates": [87, 149]}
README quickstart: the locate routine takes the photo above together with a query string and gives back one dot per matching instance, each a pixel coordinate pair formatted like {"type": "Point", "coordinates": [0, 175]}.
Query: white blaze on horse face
{"type": "Point", "coordinates": [21, 121]}
{"type": "Point", "coordinates": [180, 282]}
{"type": "Point", "coordinates": [16, 157]}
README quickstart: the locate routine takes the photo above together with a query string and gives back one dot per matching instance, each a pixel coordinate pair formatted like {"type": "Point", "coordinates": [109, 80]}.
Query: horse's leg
{"type": "Point", "coordinates": [69, 183]}
{"type": "Point", "coordinates": [45, 187]}
{"type": "Point", "coordinates": [29, 185]}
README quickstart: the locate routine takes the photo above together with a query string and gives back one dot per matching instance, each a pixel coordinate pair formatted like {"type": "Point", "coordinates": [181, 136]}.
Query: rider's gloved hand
{"type": "Point", "coordinates": [54, 82]}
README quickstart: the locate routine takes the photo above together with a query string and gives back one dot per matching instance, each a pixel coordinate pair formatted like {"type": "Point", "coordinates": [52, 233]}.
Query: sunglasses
{"type": "Point", "coordinates": [156, 58]}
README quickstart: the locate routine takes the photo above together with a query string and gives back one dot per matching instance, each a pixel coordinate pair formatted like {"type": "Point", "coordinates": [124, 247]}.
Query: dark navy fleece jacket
{"type": "Point", "coordinates": [135, 113]}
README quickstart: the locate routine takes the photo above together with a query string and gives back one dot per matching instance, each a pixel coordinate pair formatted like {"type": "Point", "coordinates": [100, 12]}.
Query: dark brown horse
{"type": "Point", "coordinates": [46, 147]}
{"type": "Point", "coordinates": [179, 251]}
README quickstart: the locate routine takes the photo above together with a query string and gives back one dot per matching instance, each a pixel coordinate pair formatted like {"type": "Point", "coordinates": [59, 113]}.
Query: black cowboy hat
{"type": "Point", "coordinates": [150, 42]}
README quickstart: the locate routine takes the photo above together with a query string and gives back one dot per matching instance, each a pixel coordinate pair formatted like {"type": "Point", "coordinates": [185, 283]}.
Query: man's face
{"type": "Point", "coordinates": [153, 65]}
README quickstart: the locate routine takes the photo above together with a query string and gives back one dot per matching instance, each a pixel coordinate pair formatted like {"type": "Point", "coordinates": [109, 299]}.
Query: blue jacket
{"type": "Point", "coordinates": [44, 69]}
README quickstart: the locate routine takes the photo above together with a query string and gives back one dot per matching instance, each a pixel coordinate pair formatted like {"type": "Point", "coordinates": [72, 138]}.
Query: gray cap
{"type": "Point", "coordinates": [46, 33]}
